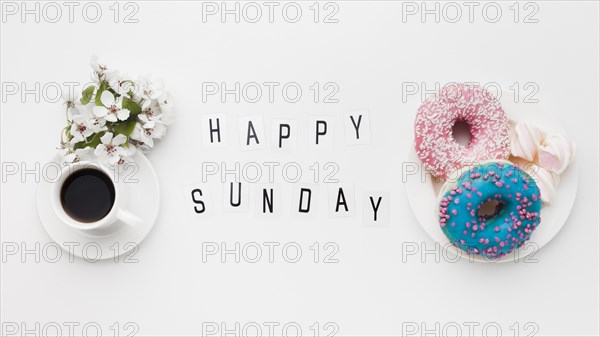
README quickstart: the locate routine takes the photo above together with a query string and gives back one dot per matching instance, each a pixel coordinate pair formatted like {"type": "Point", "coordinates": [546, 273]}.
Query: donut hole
{"type": "Point", "coordinates": [461, 131]}
{"type": "Point", "coordinates": [489, 209]}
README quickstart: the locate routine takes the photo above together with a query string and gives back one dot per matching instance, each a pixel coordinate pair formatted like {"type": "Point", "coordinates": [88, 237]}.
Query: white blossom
{"type": "Point", "coordinates": [112, 109]}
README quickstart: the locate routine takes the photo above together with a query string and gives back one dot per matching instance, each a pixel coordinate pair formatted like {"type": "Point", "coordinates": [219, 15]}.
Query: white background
{"type": "Point", "coordinates": [370, 53]}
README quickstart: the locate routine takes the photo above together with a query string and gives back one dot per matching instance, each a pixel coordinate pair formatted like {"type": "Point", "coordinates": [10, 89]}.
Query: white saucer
{"type": "Point", "coordinates": [422, 192]}
{"type": "Point", "coordinates": [139, 184]}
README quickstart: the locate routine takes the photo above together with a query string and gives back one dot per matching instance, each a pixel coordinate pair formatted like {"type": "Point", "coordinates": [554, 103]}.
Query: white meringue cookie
{"type": "Point", "coordinates": [555, 153]}
{"type": "Point", "coordinates": [525, 141]}
{"type": "Point", "coordinates": [545, 180]}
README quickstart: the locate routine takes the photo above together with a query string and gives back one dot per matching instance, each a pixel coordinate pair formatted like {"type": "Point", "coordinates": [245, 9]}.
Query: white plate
{"type": "Point", "coordinates": [139, 185]}
{"type": "Point", "coordinates": [422, 191]}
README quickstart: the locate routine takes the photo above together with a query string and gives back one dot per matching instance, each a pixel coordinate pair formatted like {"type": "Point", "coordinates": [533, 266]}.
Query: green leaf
{"type": "Point", "coordinates": [103, 86]}
{"type": "Point", "coordinates": [93, 141]}
{"type": "Point", "coordinates": [87, 94]}
{"type": "Point", "coordinates": [131, 105]}
{"type": "Point", "coordinates": [125, 127]}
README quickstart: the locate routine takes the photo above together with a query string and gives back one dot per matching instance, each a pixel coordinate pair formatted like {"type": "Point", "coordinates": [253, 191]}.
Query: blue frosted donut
{"type": "Point", "coordinates": [517, 202]}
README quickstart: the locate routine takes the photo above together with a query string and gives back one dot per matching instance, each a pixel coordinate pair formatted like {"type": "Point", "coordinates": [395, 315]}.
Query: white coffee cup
{"type": "Point", "coordinates": [117, 212]}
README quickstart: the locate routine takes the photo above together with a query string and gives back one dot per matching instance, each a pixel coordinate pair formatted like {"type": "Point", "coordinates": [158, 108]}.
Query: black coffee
{"type": "Point", "coordinates": [87, 195]}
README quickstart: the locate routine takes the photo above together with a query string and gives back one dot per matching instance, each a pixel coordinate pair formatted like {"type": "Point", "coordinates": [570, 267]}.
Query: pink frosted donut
{"type": "Point", "coordinates": [473, 105]}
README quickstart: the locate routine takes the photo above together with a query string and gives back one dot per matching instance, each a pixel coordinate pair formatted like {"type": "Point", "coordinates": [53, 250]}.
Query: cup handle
{"type": "Point", "coordinates": [128, 217]}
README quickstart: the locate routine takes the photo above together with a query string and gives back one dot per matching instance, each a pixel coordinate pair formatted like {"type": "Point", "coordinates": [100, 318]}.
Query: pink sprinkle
{"type": "Point", "coordinates": [475, 227]}
{"type": "Point", "coordinates": [457, 201]}
{"type": "Point", "coordinates": [454, 212]}
{"type": "Point", "coordinates": [497, 229]}
{"type": "Point", "coordinates": [499, 183]}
